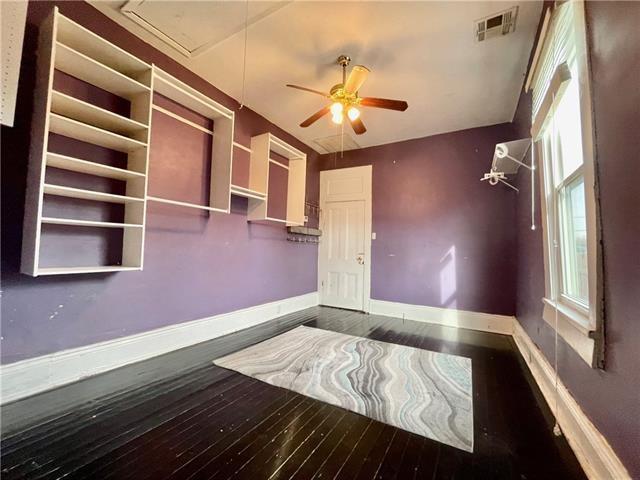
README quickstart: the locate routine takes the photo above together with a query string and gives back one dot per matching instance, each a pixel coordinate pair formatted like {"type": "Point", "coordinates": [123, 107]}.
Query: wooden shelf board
{"type": "Point", "coordinates": [84, 112]}
{"type": "Point", "coordinates": [248, 193]}
{"type": "Point", "coordinates": [279, 164]}
{"type": "Point", "coordinates": [174, 89]}
{"type": "Point", "coordinates": [283, 148]}
{"type": "Point", "coordinates": [90, 134]}
{"type": "Point", "coordinates": [87, 223]}
{"type": "Point", "coordinates": [97, 269]}
{"type": "Point", "coordinates": [71, 192]}
{"type": "Point", "coordinates": [91, 168]}
{"type": "Point", "coordinates": [78, 37]}
{"type": "Point", "coordinates": [178, 203]}
{"type": "Point", "coordinates": [85, 68]}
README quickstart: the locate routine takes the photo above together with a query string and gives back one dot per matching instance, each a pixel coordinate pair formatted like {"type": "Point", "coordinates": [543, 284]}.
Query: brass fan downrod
{"type": "Point", "coordinates": [343, 61]}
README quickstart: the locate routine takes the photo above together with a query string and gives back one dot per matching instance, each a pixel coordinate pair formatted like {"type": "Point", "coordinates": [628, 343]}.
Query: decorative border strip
{"type": "Point", "coordinates": [28, 377]}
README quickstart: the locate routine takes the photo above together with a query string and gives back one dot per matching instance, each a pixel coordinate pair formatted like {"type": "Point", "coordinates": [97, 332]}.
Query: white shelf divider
{"type": "Point", "coordinates": [82, 40]}
{"type": "Point", "coordinates": [70, 107]}
{"type": "Point", "coordinates": [245, 192]}
{"type": "Point", "coordinates": [91, 168]}
{"type": "Point", "coordinates": [87, 223]}
{"type": "Point", "coordinates": [91, 71]}
{"type": "Point", "coordinates": [90, 134]}
{"type": "Point", "coordinates": [83, 194]}
{"type": "Point", "coordinates": [76, 270]}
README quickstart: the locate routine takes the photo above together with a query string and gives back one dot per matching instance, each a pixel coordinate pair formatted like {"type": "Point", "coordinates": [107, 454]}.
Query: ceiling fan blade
{"type": "Point", "coordinates": [316, 116]}
{"type": "Point", "coordinates": [357, 126]}
{"type": "Point", "coordinates": [309, 90]}
{"type": "Point", "coordinates": [356, 78]}
{"type": "Point", "coordinates": [399, 105]}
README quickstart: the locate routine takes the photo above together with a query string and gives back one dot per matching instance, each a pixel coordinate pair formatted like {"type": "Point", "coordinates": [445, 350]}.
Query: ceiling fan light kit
{"type": "Point", "coordinates": [345, 99]}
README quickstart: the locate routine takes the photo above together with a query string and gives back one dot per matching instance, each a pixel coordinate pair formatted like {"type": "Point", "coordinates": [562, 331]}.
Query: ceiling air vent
{"type": "Point", "coordinates": [496, 25]}
{"type": "Point", "coordinates": [336, 143]}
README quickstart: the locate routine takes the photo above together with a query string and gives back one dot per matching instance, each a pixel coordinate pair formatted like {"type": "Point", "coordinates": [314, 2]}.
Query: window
{"type": "Point", "coordinates": [563, 133]}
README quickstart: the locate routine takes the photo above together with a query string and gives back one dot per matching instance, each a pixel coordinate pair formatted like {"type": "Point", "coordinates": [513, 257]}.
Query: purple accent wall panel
{"type": "Point", "coordinates": [278, 184]}
{"type": "Point", "coordinates": [196, 264]}
{"type": "Point", "coordinates": [444, 239]}
{"type": "Point", "coordinates": [609, 397]}
{"type": "Point", "coordinates": [184, 112]}
{"type": "Point", "coordinates": [241, 167]}
{"type": "Point", "coordinates": [179, 161]}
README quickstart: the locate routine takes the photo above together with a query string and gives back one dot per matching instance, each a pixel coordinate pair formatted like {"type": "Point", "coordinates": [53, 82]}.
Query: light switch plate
{"type": "Point", "coordinates": [373, 235]}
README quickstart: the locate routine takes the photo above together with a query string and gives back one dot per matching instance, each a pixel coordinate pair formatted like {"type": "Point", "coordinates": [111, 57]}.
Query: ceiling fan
{"type": "Point", "coordinates": [344, 98]}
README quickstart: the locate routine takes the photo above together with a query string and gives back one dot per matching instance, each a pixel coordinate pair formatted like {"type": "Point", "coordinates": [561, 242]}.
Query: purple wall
{"type": "Point", "coordinates": [611, 398]}
{"type": "Point", "coordinates": [444, 239]}
{"type": "Point", "coordinates": [196, 265]}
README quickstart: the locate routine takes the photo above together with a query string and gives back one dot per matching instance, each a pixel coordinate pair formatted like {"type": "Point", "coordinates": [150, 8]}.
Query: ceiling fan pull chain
{"type": "Point", "coordinates": [244, 56]}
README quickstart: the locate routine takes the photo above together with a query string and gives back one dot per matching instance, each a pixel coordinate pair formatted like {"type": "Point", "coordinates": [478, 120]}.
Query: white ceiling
{"type": "Point", "coordinates": [421, 52]}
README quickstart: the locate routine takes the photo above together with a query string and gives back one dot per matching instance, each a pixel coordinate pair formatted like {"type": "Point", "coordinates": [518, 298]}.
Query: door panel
{"type": "Point", "coordinates": [342, 250]}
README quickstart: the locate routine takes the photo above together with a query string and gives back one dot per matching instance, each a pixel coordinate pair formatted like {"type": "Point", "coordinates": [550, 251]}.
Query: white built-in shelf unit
{"type": "Point", "coordinates": [67, 47]}
{"type": "Point", "coordinates": [70, 48]}
{"type": "Point", "coordinates": [222, 142]}
{"type": "Point", "coordinates": [262, 165]}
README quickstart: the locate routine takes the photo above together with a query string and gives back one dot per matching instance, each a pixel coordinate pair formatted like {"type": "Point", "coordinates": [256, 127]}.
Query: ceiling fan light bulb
{"type": "Point", "coordinates": [337, 119]}
{"type": "Point", "coordinates": [353, 113]}
{"type": "Point", "coordinates": [336, 109]}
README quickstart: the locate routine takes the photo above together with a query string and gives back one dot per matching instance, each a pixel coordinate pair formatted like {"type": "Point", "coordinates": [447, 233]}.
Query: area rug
{"type": "Point", "coordinates": [423, 392]}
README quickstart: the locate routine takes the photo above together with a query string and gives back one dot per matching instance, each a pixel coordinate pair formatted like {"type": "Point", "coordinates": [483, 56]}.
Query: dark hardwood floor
{"type": "Point", "coordinates": [179, 416]}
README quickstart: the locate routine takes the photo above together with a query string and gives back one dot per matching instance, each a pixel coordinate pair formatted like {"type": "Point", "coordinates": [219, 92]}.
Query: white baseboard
{"type": "Point", "coordinates": [28, 377]}
{"type": "Point", "coordinates": [594, 453]}
{"type": "Point", "coordinates": [485, 322]}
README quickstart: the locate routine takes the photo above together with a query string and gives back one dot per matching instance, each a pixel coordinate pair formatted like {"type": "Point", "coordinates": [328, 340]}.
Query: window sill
{"type": "Point", "coordinates": [573, 327]}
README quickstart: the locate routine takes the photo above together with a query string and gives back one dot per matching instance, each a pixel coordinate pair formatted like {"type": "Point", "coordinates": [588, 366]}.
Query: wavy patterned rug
{"type": "Point", "coordinates": [427, 393]}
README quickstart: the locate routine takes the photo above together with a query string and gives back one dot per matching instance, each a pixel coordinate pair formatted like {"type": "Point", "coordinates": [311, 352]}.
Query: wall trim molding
{"type": "Point", "coordinates": [485, 322]}
{"type": "Point", "coordinates": [597, 458]}
{"type": "Point", "coordinates": [28, 377]}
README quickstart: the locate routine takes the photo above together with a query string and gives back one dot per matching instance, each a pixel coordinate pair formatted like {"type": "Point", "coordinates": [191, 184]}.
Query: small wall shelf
{"type": "Point", "coordinates": [284, 188]}
{"type": "Point", "coordinates": [247, 193]}
{"type": "Point", "coordinates": [48, 239]}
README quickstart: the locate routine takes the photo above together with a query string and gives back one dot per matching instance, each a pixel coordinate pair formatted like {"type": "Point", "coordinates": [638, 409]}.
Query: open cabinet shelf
{"type": "Point", "coordinates": [87, 223]}
{"type": "Point", "coordinates": [73, 108]}
{"type": "Point", "coordinates": [83, 194]}
{"type": "Point", "coordinates": [247, 193]}
{"type": "Point", "coordinates": [282, 179]}
{"type": "Point", "coordinates": [90, 168]}
{"type": "Point", "coordinates": [66, 46]}
{"type": "Point", "coordinates": [76, 270]}
{"type": "Point", "coordinates": [222, 137]}
{"type": "Point", "coordinates": [91, 71]}
{"type": "Point", "coordinates": [90, 134]}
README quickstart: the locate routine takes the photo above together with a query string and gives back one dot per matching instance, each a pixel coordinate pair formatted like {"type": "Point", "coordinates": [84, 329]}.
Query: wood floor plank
{"type": "Point", "coordinates": [187, 418]}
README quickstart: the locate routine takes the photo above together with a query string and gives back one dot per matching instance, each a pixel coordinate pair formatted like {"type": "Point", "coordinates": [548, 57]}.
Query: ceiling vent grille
{"type": "Point", "coordinates": [336, 143]}
{"type": "Point", "coordinates": [496, 25]}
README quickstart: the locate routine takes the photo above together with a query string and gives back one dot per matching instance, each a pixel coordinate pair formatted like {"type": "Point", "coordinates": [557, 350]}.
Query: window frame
{"type": "Point", "coordinates": [580, 326]}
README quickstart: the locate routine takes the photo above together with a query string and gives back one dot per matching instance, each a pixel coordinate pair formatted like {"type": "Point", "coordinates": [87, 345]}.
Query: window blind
{"type": "Point", "coordinates": [559, 47]}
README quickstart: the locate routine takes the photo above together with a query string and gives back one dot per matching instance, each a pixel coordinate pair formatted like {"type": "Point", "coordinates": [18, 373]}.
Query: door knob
{"type": "Point", "coordinates": [360, 258]}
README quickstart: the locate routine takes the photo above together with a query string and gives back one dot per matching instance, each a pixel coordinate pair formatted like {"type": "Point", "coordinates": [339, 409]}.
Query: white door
{"type": "Point", "coordinates": [345, 247]}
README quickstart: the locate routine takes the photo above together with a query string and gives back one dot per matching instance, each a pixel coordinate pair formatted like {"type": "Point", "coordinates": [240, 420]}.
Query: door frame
{"type": "Point", "coordinates": [365, 194]}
